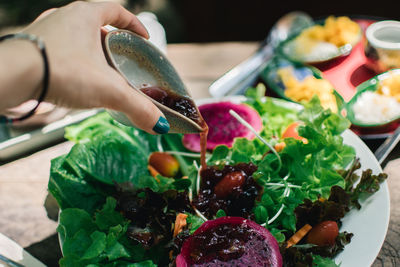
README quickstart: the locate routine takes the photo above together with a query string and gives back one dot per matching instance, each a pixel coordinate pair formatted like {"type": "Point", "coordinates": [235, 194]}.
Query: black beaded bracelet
{"type": "Point", "coordinates": [39, 43]}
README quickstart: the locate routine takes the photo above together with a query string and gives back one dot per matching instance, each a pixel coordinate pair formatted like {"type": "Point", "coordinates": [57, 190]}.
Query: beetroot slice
{"type": "Point", "coordinates": [259, 247]}
{"type": "Point", "coordinates": [223, 128]}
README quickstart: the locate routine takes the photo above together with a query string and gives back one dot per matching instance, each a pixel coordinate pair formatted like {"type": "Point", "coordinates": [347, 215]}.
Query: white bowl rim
{"type": "Point", "coordinates": [376, 26]}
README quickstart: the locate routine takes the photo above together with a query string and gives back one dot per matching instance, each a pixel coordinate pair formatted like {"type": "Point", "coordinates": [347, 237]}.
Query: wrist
{"type": "Point", "coordinates": [21, 72]}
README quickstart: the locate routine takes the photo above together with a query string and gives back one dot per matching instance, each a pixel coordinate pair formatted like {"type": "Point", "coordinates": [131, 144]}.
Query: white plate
{"type": "Point", "coordinates": [369, 224]}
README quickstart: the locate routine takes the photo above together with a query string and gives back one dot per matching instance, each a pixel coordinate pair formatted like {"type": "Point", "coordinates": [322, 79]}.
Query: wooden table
{"type": "Point", "coordinates": [23, 182]}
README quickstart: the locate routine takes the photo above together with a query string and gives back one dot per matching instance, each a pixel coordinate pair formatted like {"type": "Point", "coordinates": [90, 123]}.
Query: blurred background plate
{"type": "Point", "coordinates": [15, 252]}
{"type": "Point", "coordinates": [15, 142]}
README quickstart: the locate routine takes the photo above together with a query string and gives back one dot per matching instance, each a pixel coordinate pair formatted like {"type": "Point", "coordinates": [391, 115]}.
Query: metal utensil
{"type": "Point", "coordinates": [241, 76]}
{"type": "Point", "coordinates": [10, 262]}
{"type": "Point", "coordinates": [387, 146]}
{"type": "Point", "coordinates": [140, 63]}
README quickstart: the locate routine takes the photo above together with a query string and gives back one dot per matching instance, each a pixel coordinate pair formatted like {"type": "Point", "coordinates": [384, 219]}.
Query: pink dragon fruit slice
{"type": "Point", "coordinates": [230, 241]}
{"type": "Point", "coordinates": [223, 128]}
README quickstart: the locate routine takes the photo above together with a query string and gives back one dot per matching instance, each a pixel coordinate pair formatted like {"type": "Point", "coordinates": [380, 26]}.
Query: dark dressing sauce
{"type": "Point", "coordinates": [203, 144]}
{"type": "Point", "coordinates": [180, 104]}
{"type": "Point", "coordinates": [231, 189]}
{"type": "Point", "coordinates": [184, 106]}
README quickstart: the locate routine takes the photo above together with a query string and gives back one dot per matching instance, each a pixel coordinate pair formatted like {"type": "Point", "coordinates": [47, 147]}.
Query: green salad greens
{"type": "Point", "coordinates": [114, 213]}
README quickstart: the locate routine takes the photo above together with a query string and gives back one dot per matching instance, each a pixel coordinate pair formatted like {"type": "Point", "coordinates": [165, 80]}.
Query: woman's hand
{"type": "Point", "coordinates": [80, 76]}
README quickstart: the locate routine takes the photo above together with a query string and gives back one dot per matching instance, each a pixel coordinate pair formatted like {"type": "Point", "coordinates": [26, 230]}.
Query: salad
{"type": "Point", "coordinates": [282, 190]}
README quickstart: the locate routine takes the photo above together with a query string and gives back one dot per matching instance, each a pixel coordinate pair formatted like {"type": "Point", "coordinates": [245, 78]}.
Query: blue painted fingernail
{"type": "Point", "coordinates": [162, 126]}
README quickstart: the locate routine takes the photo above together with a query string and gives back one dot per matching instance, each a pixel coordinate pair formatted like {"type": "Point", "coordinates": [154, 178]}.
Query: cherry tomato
{"type": "Point", "coordinates": [229, 183]}
{"type": "Point", "coordinates": [323, 234]}
{"type": "Point", "coordinates": [291, 131]}
{"type": "Point", "coordinates": [164, 163]}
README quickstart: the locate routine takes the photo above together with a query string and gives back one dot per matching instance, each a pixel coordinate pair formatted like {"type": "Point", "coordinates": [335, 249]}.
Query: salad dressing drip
{"type": "Point", "coordinates": [184, 106]}
{"type": "Point", "coordinates": [203, 144]}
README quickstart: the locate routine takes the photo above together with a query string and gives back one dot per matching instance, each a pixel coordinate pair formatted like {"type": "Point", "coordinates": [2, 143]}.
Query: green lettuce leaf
{"type": "Point", "coordinates": [107, 153]}
{"type": "Point", "coordinates": [94, 239]}
{"type": "Point", "coordinates": [71, 190]}
{"type": "Point", "coordinates": [103, 126]}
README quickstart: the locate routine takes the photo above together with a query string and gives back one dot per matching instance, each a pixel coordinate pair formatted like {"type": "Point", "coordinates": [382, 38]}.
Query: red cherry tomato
{"type": "Point", "coordinates": [229, 183]}
{"type": "Point", "coordinates": [291, 131]}
{"type": "Point", "coordinates": [323, 234]}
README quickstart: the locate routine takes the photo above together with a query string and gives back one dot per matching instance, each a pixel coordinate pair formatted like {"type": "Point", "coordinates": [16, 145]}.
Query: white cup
{"type": "Point", "coordinates": [382, 47]}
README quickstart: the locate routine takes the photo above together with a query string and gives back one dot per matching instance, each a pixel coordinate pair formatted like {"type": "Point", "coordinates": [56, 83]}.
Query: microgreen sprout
{"type": "Point", "coordinates": [248, 126]}
{"type": "Point", "coordinates": [201, 215]}
{"type": "Point", "coordinates": [283, 185]}
{"type": "Point", "coordinates": [286, 193]}
{"type": "Point", "coordinates": [197, 177]}
{"type": "Point", "coordinates": [185, 154]}
{"type": "Point", "coordinates": [159, 144]}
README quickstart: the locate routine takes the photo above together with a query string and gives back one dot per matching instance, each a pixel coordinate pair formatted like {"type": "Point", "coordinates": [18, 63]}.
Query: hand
{"type": "Point", "coordinates": [80, 76]}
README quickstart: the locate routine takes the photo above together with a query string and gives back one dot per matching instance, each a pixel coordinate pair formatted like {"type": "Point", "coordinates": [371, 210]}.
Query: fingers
{"type": "Point", "coordinates": [103, 33]}
{"type": "Point", "coordinates": [118, 16]}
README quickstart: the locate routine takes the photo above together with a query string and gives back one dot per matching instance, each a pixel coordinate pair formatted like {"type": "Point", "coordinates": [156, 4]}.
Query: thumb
{"type": "Point", "coordinates": [141, 112]}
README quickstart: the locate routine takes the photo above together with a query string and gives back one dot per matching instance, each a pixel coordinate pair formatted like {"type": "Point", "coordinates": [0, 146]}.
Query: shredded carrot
{"type": "Point", "coordinates": [298, 235]}
{"type": "Point", "coordinates": [279, 146]}
{"type": "Point", "coordinates": [153, 172]}
{"type": "Point", "coordinates": [180, 222]}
